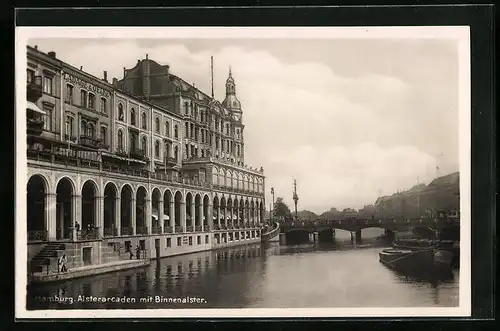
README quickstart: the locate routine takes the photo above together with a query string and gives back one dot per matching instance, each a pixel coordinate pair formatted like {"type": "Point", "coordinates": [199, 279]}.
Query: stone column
{"type": "Point", "coordinates": [210, 218]}
{"type": "Point", "coordinates": [200, 214]}
{"type": "Point", "coordinates": [100, 215]}
{"type": "Point", "coordinates": [50, 216]}
{"type": "Point", "coordinates": [183, 215]}
{"type": "Point", "coordinates": [218, 216]}
{"type": "Point", "coordinates": [76, 214]}
{"type": "Point", "coordinates": [161, 214]}
{"type": "Point", "coordinates": [133, 212]}
{"type": "Point", "coordinates": [193, 214]}
{"type": "Point", "coordinates": [147, 215]}
{"type": "Point", "coordinates": [118, 216]}
{"type": "Point", "coordinates": [171, 216]}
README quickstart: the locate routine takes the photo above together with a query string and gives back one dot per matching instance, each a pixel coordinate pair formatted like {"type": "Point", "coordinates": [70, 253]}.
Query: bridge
{"type": "Point", "coordinates": [354, 225]}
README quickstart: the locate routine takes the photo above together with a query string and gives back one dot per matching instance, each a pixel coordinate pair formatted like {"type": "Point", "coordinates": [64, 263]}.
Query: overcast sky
{"type": "Point", "coordinates": [349, 119]}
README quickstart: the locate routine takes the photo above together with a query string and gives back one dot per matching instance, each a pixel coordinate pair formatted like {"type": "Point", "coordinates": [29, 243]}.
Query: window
{"type": "Point", "coordinates": [104, 108]}
{"type": "Point", "coordinates": [176, 153]}
{"type": "Point", "coordinates": [48, 118]}
{"type": "Point", "coordinates": [120, 112]}
{"type": "Point", "coordinates": [30, 75]}
{"type": "Point", "coordinates": [47, 85]}
{"type": "Point", "coordinates": [120, 140]}
{"type": "Point", "coordinates": [91, 101]}
{"type": "Point", "coordinates": [167, 150]}
{"type": "Point", "coordinates": [187, 129]}
{"type": "Point", "coordinates": [69, 127]}
{"type": "Point", "coordinates": [132, 116]}
{"type": "Point", "coordinates": [176, 132]}
{"type": "Point", "coordinates": [190, 240]}
{"type": "Point", "coordinates": [83, 128]}
{"type": "Point", "coordinates": [157, 125]}
{"type": "Point", "coordinates": [186, 108]}
{"type": "Point", "coordinates": [144, 145]}
{"type": "Point", "coordinates": [179, 241]}
{"type": "Point", "coordinates": [144, 121]}
{"type": "Point", "coordinates": [169, 242]}
{"type": "Point", "coordinates": [167, 129]}
{"type": "Point", "coordinates": [90, 130]}
{"type": "Point", "coordinates": [83, 98]}
{"type": "Point", "coordinates": [69, 94]}
{"type": "Point", "coordinates": [227, 129]}
{"type": "Point", "coordinates": [198, 240]}
{"type": "Point", "coordinates": [157, 149]}
{"type": "Point", "coordinates": [206, 239]}
{"type": "Point", "coordinates": [104, 135]}
{"type": "Point", "coordinates": [238, 150]}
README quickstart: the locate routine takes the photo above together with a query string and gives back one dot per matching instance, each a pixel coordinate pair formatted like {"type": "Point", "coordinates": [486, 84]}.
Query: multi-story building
{"type": "Point", "coordinates": [111, 168]}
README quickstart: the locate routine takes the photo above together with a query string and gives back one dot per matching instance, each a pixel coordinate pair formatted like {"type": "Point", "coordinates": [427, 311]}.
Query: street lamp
{"type": "Point", "coordinates": [271, 214]}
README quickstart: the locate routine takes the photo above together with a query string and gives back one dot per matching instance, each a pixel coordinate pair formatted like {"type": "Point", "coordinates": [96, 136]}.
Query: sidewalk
{"type": "Point", "coordinates": [89, 270]}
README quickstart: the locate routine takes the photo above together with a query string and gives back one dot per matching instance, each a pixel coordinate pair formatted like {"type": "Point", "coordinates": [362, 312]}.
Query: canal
{"type": "Point", "coordinates": [307, 275]}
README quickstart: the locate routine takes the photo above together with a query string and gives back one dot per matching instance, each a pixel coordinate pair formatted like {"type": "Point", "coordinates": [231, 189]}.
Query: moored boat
{"type": "Point", "coordinates": [417, 261]}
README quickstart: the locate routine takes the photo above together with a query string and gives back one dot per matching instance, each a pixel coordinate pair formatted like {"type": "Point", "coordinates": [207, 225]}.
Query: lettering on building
{"type": "Point", "coordinates": [86, 85]}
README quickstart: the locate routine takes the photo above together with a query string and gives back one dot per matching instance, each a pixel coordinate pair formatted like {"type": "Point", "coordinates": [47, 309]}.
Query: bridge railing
{"type": "Point", "coordinates": [369, 222]}
{"type": "Point", "coordinates": [271, 233]}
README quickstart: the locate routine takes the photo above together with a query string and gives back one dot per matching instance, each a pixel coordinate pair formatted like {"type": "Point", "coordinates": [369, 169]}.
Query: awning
{"type": "Point", "coordinates": [154, 214]}
{"type": "Point", "coordinates": [31, 106]}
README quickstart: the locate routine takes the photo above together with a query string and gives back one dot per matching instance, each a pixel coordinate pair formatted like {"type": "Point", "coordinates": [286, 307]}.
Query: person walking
{"type": "Point", "coordinates": [138, 252]}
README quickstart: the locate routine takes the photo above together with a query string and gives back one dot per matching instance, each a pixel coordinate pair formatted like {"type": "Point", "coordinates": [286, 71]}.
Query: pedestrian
{"type": "Point", "coordinates": [131, 254]}
{"type": "Point", "coordinates": [62, 263]}
{"type": "Point", "coordinates": [138, 252]}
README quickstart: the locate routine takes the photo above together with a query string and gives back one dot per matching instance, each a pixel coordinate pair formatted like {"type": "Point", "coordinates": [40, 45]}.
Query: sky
{"type": "Point", "coordinates": [349, 119]}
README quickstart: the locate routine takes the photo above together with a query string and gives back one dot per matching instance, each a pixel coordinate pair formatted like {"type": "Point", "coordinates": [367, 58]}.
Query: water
{"type": "Point", "coordinates": [337, 274]}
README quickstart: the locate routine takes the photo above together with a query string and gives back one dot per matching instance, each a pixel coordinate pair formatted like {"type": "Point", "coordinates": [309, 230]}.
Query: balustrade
{"type": "Point", "coordinates": [189, 228]}
{"type": "Point", "coordinates": [141, 230]}
{"type": "Point", "coordinates": [110, 232]}
{"type": "Point", "coordinates": [179, 229]}
{"type": "Point", "coordinates": [156, 229]}
{"type": "Point", "coordinates": [198, 228]}
{"type": "Point", "coordinates": [88, 234]}
{"type": "Point", "coordinates": [127, 231]}
{"type": "Point", "coordinates": [39, 235]}
{"type": "Point", "coordinates": [168, 229]}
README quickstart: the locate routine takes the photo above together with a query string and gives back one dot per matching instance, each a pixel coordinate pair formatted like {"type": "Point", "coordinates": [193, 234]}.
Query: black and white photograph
{"type": "Point", "coordinates": [242, 172]}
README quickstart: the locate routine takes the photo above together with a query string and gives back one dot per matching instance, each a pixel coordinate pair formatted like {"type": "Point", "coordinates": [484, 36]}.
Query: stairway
{"type": "Point", "coordinates": [45, 257]}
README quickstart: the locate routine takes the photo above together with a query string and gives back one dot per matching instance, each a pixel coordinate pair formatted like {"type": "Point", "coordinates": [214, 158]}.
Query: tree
{"type": "Point", "coordinates": [281, 209]}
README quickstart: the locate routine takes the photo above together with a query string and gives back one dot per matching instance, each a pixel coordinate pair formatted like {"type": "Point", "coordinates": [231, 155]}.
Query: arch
{"type": "Point", "coordinates": [126, 204]}
{"type": "Point", "coordinates": [93, 182]}
{"type": "Point", "coordinates": [189, 214]}
{"type": "Point", "coordinates": [140, 210]}
{"type": "Point", "coordinates": [235, 180]}
{"type": "Point", "coordinates": [178, 199]}
{"type": "Point", "coordinates": [110, 205]}
{"type": "Point", "coordinates": [156, 196]}
{"type": "Point", "coordinates": [167, 128]}
{"type": "Point", "coordinates": [229, 177]}
{"type": "Point", "coordinates": [36, 204]}
{"type": "Point", "coordinates": [65, 190]}
{"type": "Point", "coordinates": [245, 182]}
{"type": "Point", "coordinates": [90, 193]}
{"type": "Point", "coordinates": [70, 181]}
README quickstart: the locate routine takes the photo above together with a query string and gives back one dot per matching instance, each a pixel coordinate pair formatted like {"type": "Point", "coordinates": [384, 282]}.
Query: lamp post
{"type": "Point", "coordinates": [271, 214]}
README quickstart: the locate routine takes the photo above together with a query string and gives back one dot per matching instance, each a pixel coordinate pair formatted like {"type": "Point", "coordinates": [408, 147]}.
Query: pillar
{"type": "Point", "coordinates": [358, 236]}
{"type": "Point", "coordinates": [193, 214]}
{"type": "Point", "coordinates": [316, 237]}
{"type": "Point", "coordinates": [76, 214]}
{"type": "Point", "coordinates": [218, 216]}
{"type": "Point", "coordinates": [50, 216]}
{"type": "Point", "coordinates": [133, 213]}
{"type": "Point", "coordinates": [282, 238]}
{"type": "Point", "coordinates": [100, 216]}
{"type": "Point", "coordinates": [147, 215]}
{"type": "Point", "coordinates": [200, 214]}
{"type": "Point", "coordinates": [182, 213]}
{"type": "Point", "coordinates": [118, 216]}
{"type": "Point", "coordinates": [171, 216]}
{"type": "Point", "coordinates": [210, 218]}
{"type": "Point", "coordinates": [161, 217]}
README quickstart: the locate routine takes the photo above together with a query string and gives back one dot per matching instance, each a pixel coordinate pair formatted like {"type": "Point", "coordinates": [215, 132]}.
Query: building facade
{"type": "Point", "coordinates": [151, 163]}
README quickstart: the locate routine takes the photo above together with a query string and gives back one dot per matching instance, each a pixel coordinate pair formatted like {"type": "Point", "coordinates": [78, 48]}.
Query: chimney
{"type": "Point", "coordinates": [52, 54]}
{"type": "Point", "coordinates": [146, 56]}
{"type": "Point", "coordinates": [81, 68]}
{"type": "Point", "coordinates": [36, 47]}
{"type": "Point", "coordinates": [124, 71]}
{"type": "Point", "coordinates": [115, 81]}
{"type": "Point", "coordinates": [105, 76]}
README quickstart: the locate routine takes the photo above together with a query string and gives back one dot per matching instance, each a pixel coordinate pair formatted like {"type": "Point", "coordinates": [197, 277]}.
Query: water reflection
{"type": "Point", "coordinates": [336, 274]}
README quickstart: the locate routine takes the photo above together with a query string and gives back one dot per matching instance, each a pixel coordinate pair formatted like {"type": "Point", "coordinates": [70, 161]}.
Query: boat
{"type": "Point", "coordinates": [451, 246]}
{"type": "Point", "coordinates": [417, 261]}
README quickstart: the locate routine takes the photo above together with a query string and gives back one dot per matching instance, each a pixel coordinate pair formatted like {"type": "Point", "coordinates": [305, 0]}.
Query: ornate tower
{"type": "Point", "coordinates": [233, 105]}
